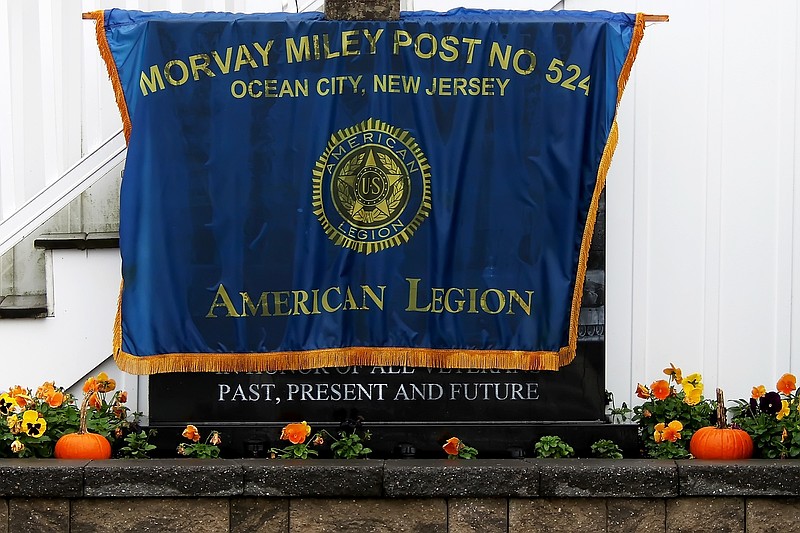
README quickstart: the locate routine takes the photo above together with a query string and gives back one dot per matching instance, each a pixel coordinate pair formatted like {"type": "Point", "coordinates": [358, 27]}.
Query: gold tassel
{"type": "Point", "coordinates": [111, 66]}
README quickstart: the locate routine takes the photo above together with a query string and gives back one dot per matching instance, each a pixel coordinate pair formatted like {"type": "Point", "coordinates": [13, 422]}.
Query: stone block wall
{"type": "Point", "coordinates": [431, 496]}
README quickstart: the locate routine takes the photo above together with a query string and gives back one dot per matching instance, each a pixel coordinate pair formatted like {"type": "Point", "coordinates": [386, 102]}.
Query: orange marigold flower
{"type": "Point", "coordinates": [787, 384]}
{"type": "Point", "coordinates": [660, 389]}
{"type": "Point", "coordinates": [191, 433]}
{"type": "Point", "coordinates": [674, 373]}
{"type": "Point", "coordinates": [55, 399]}
{"type": "Point", "coordinates": [452, 445]}
{"type": "Point", "coordinates": [296, 433]}
{"type": "Point", "coordinates": [758, 392]}
{"type": "Point", "coordinates": [642, 391]}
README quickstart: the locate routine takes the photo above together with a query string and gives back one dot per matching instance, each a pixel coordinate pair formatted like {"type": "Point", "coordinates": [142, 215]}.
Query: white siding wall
{"type": "Point", "coordinates": [702, 238]}
{"type": "Point", "coordinates": [703, 244]}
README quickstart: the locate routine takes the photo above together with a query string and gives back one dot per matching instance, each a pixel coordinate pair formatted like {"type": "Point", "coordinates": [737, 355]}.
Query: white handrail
{"type": "Point", "coordinates": [61, 192]}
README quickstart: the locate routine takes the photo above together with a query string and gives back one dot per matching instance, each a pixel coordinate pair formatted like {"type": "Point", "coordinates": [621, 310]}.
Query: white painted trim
{"type": "Point", "coordinates": [7, 184]}
{"type": "Point", "coordinates": [785, 201]}
{"type": "Point", "coordinates": [715, 136]}
{"type": "Point", "coordinates": [56, 196]}
{"type": "Point", "coordinates": [794, 344]}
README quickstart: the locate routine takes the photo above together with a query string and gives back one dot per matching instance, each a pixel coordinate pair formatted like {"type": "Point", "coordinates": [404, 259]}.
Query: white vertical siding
{"type": "Point", "coordinates": [702, 236]}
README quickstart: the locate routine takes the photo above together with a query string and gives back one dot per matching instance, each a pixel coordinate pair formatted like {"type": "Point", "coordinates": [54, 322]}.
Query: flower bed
{"type": "Point", "coordinates": [674, 410]}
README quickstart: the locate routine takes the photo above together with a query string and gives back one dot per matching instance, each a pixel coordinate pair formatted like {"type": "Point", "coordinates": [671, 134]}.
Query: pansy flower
{"type": "Point", "coordinates": [642, 392]}
{"type": "Point", "coordinates": [7, 404]}
{"type": "Point", "coordinates": [19, 395]}
{"type": "Point", "coordinates": [770, 403]}
{"type": "Point", "coordinates": [90, 385]}
{"type": "Point", "coordinates": [694, 380]}
{"type": "Point", "coordinates": [104, 383]}
{"type": "Point", "coordinates": [452, 446]}
{"type": "Point", "coordinates": [17, 446]}
{"type": "Point", "coordinates": [693, 395]}
{"type": "Point", "coordinates": [55, 399]}
{"type": "Point", "coordinates": [786, 384]}
{"type": "Point", "coordinates": [33, 424]}
{"type": "Point", "coordinates": [784, 410]}
{"type": "Point", "coordinates": [674, 373]}
{"type": "Point", "coordinates": [45, 390]}
{"type": "Point", "coordinates": [296, 433]}
{"type": "Point", "coordinates": [191, 433]}
{"type": "Point", "coordinates": [14, 424]}
{"type": "Point", "coordinates": [758, 392]}
{"type": "Point", "coordinates": [94, 401]}
{"type": "Point", "coordinates": [660, 389]}
{"type": "Point", "coordinates": [668, 432]}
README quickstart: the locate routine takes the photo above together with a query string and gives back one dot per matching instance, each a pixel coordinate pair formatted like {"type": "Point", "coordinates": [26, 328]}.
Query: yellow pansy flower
{"type": "Point", "coordinates": [784, 410]}
{"type": "Point", "coordinates": [33, 424]}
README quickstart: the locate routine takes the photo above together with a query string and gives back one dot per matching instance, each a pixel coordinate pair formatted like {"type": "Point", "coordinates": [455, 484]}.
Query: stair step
{"type": "Point", "coordinates": [77, 241]}
{"type": "Point", "coordinates": [23, 306]}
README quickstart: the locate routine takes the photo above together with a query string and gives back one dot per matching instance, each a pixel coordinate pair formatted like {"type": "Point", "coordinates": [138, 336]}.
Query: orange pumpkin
{"type": "Point", "coordinates": [721, 441]}
{"type": "Point", "coordinates": [83, 446]}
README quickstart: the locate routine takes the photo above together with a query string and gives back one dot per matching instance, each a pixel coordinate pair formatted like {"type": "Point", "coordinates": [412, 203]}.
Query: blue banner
{"type": "Point", "coordinates": [302, 193]}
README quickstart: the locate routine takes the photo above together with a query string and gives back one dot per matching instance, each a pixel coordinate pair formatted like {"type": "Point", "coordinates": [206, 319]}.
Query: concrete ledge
{"type": "Point", "coordinates": [329, 478]}
{"type": "Point", "coordinates": [624, 478]}
{"type": "Point", "coordinates": [753, 477]}
{"type": "Point", "coordinates": [162, 478]}
{"type": "Point", "coordinates": [452, 478]}
{"type": "Point", "coordinates": [319, 478]}
{"type": "Point", "coordinates": [41, 478]}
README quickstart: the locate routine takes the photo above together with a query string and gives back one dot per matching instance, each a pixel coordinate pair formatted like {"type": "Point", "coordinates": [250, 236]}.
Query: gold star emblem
{"type": "Point", "coordinates": [350, 177]}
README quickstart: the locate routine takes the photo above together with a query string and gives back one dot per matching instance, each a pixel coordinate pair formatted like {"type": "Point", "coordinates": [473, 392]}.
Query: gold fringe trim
{"type": "Point", "coordinates": [116, 338]}
{"type": "Point", "coordinates": [566, 355]}
{"type": "Point", "coordinates": [335, 357]}
{"type": "Point", "coordinates": [111, 66]}
{"type": "Point", "coordinates": [382, 356]}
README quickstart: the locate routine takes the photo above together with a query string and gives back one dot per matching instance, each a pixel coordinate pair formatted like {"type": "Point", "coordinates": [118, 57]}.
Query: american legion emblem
{"type": "Point", "coordinates": [371, 187]}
